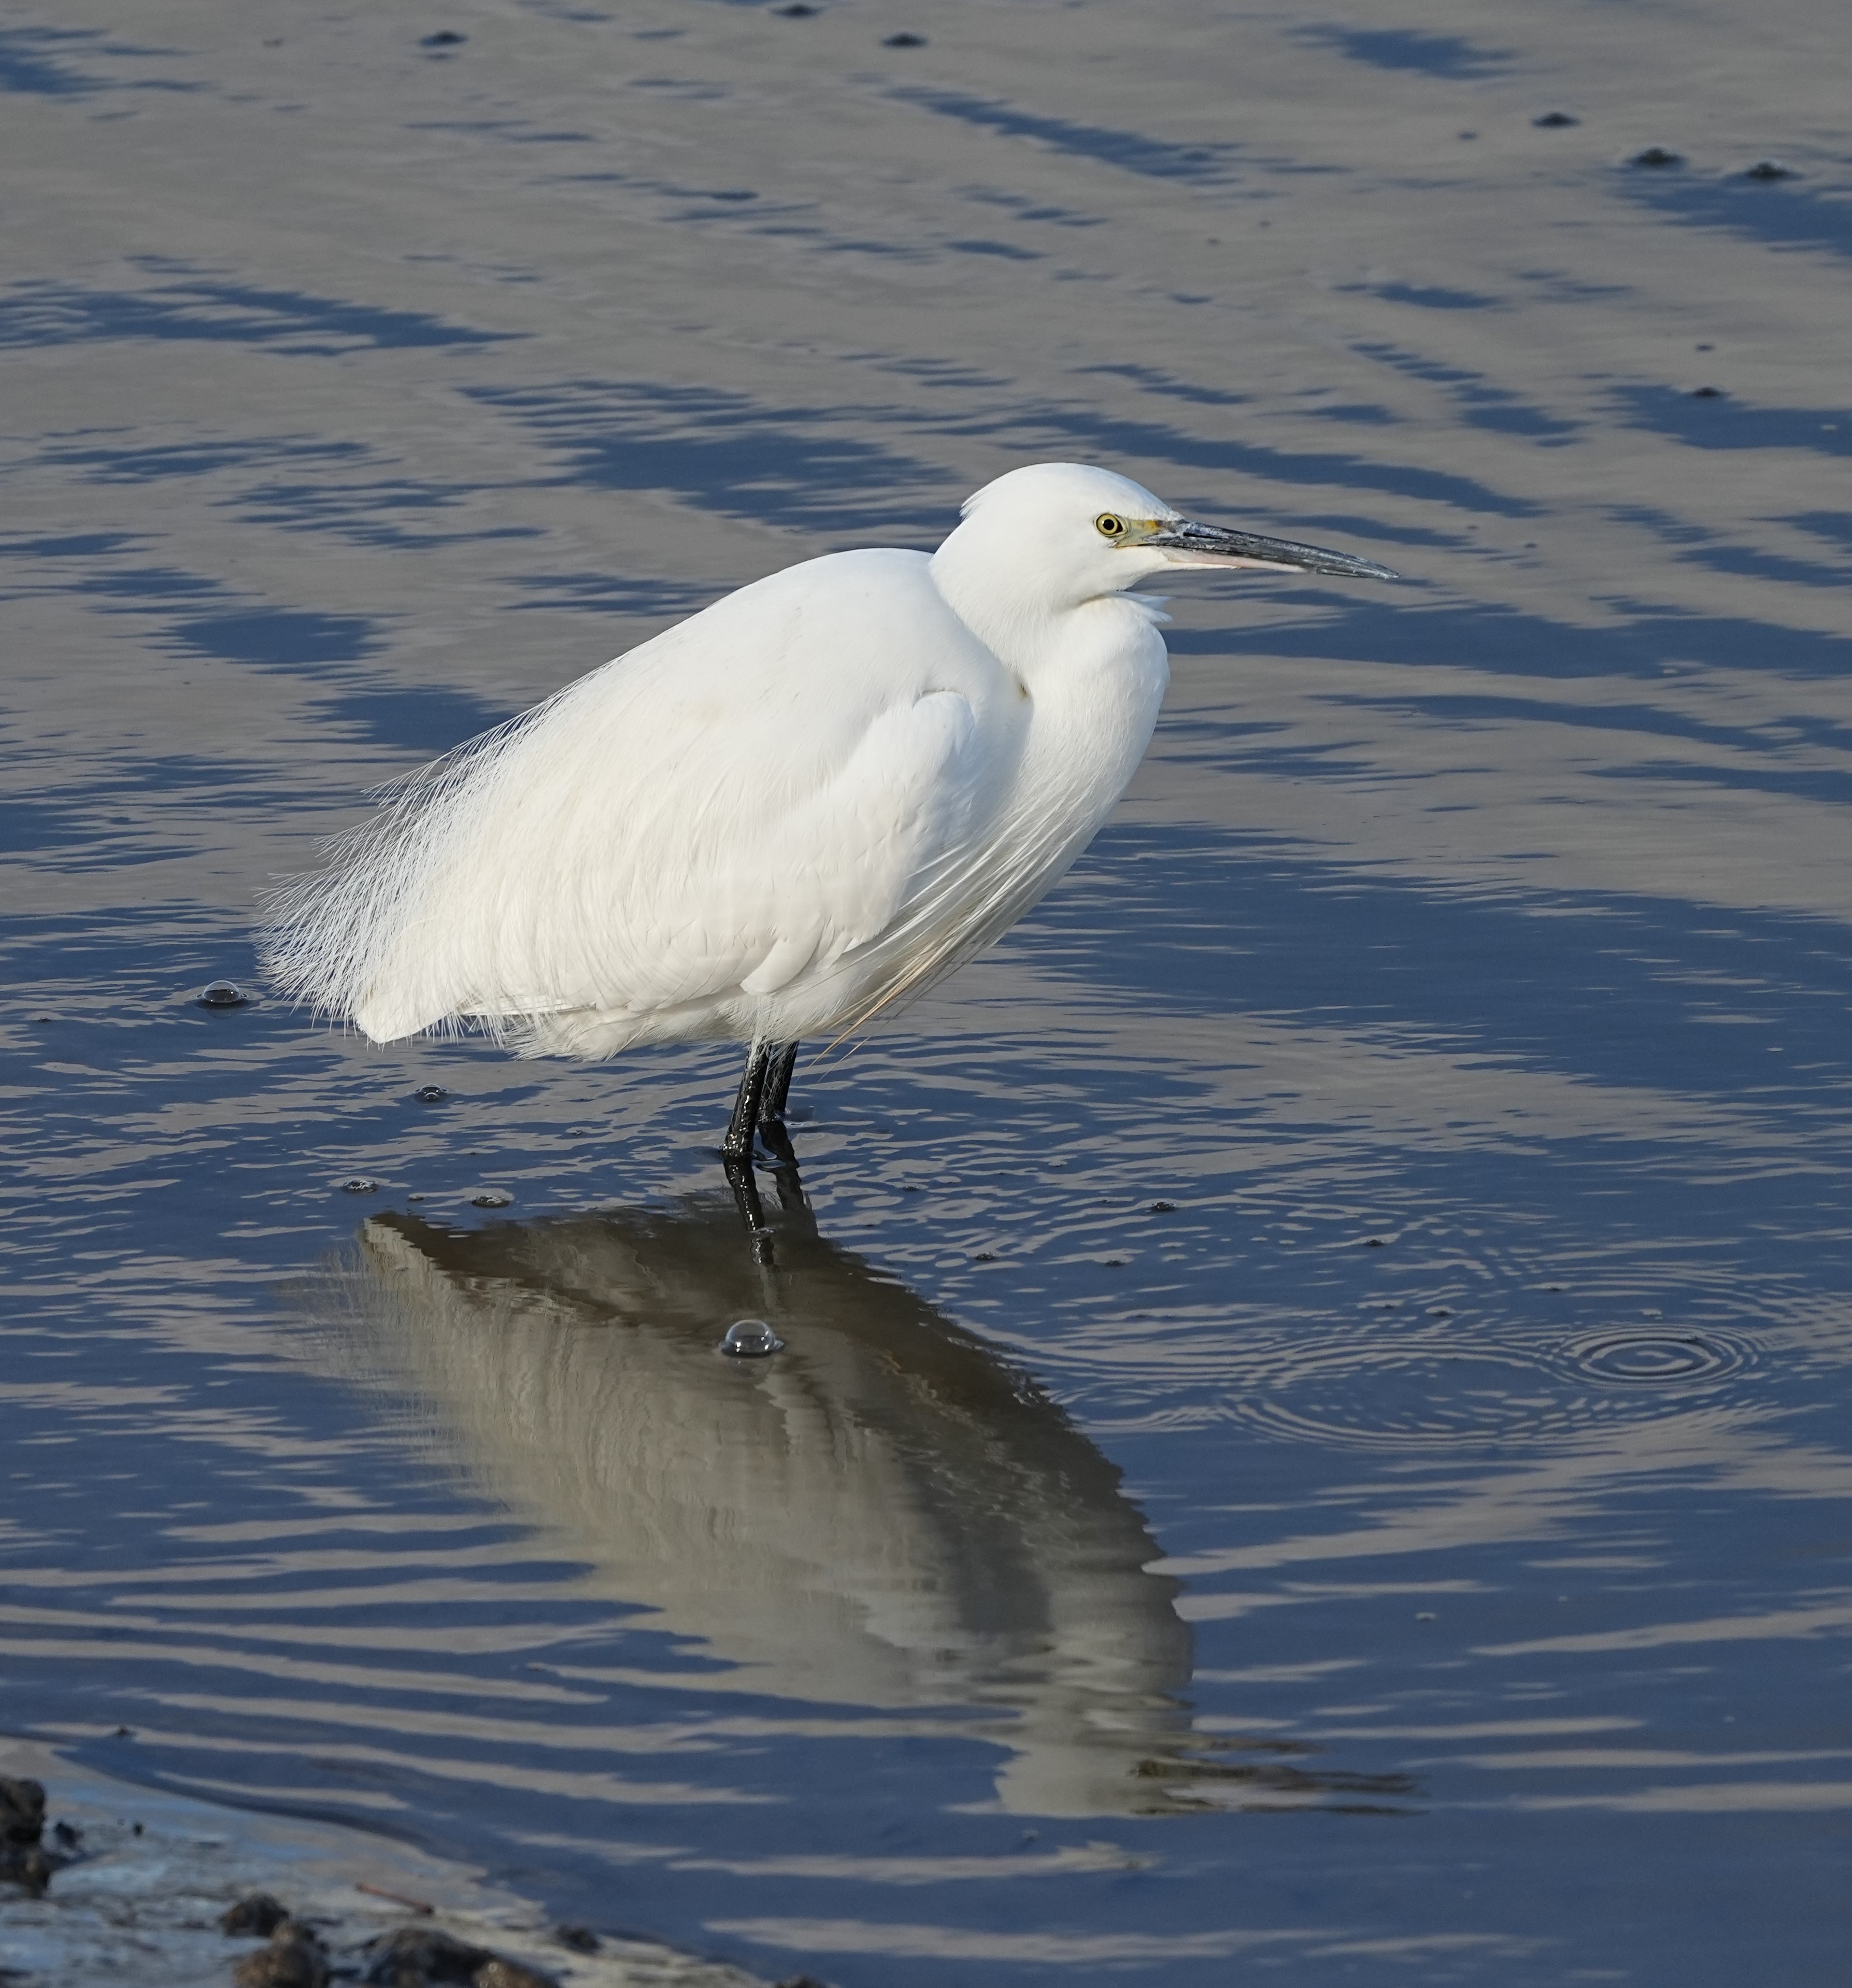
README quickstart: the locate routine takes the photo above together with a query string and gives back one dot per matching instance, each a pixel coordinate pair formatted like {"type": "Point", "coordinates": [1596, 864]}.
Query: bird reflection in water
{"type": "Point", "coordinates": [883, 1514]}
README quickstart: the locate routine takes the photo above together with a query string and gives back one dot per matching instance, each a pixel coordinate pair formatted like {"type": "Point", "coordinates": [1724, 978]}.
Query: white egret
{"type": "Point", "coordinates": [790, 813]}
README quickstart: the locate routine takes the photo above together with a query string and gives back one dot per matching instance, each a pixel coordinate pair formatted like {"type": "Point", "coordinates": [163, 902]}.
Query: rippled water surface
{"type": "Point", "coordinates": [1315, 1433]}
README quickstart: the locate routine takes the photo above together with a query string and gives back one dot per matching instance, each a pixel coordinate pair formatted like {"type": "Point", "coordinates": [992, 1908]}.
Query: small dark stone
{"type": "Point", "coordinates": [123, 1733]}
{"type": "Point", "coordinates": [1707, 392]}
{"type": "Point", "coordinates": [29, 1868]}
{"type": "Point", "coordinates": [984, 1256]}
{"type": "Point", "coordinates": [360, 1184]}
{"type": "Point", "coordinates": [430, 1093]}
{"type": "Point", "coordinates": [296, 1957]}
{"type": "Point", "coordinates": [1375, 1242]}
{"type": "Point", "coordinates": [256, 1916]}
{"type": "Point", "coordinates": [135, 1829]}
{"type": "Point", "coordinates": [1656, 155]}
{"type": "Point", "coordinates": [67, 1834]}
{"type": "Point", "coordinates": [905, 40]}
{"type": "Point", "coordinates": [22, 1810]}
{"type": "Point", "coordinates": [581, 1939]}
{"type": "Point", "coordinates": [797, 10]}
{"type": "Point", "coordinates": [750, 1339]}
{"type": "Point", "coordinates": [500, 1972]}
{"type": "Point", "coordinates": [445, 37]}
{"type": "Point", "coordinates": [1164, 1208]}
{"type": "Point", "coordinates": [490, 1196]}
{"type": "Point", "coordinates": [1554, 120]}
{"type": "Point", "coordinates": [413, 1956]}
{"type": "Point", "coordinates": [1769, 169]}
{"type": "Point", "coordinates": [222, 994]}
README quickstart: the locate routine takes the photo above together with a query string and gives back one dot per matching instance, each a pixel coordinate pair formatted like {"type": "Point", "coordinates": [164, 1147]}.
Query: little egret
{"type": "Point", "coordinates": [790, 813]}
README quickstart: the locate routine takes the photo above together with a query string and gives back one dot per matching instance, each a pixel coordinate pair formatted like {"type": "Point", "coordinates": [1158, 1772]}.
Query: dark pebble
{"type": "Point", "coordinates": [1769, 169]}
{"type": "Point", "coordinates": [581, 1939]}
{"type": "Point", "coordinates": [222, 994]}
{"type": "Point", "coordinates": [490, 1196]}
{"type": "Point", "coordinates": [21, 1809]}
{"type": "Point", "coordinates": [903, 40]}
{"type": "Point", "coordinates": [67, 1834]}
{"type": "Point", "coordinates": [445, 37]}
{"type": "Point", "coordinates": [430, 1093]}
{"type": "Point", "coordinates": [1707, 392]}
{"type": "Point", "coordinates": [294, 1959]}
{"type": "Point", "coordinates": [750, 1339]}
{"type": "Point", "coordinates": [256, 1916]}
{"type": "Point", "coordinates": [1656, 155]}
{"type": "Point", "coordinates": [414, 1955]}
{"type": "Point", "coordinates": [360, 1184]}
{"type": "Point", "coordinates": [31, 1870]}
{"type": "Point", "coordinates": [499, 1973]}
{"type": "Point", "coordinates": [1555, 120]}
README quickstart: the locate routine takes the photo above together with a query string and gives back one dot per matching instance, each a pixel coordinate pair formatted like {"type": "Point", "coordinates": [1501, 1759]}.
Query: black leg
{"type": "Point", "coordinates": [777, 1082]}
{"type": "Point", "coordinates": [738, 1144]}
{"type": "Point", "coordinates": [744, 1184]}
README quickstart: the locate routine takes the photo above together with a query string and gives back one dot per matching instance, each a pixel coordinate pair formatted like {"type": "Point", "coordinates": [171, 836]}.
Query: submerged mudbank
{"type": "Point", "coordinates": [103, 1881]}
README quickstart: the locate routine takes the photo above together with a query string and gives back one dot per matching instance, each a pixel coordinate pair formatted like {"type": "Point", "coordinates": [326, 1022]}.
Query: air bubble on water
{"type": "Point", "coordinates": [490, 1196]}
{"type": "Point", "coordinates": [750, 1339]}
{"type": "Point", "coordinates": [430, 1093]}
{"type": "Point", "coordinates": [222, 994]}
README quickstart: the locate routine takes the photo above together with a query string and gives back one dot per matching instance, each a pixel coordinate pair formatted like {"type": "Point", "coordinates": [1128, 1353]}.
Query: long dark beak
{"type": "Point", "coordinates": [1211, 545]}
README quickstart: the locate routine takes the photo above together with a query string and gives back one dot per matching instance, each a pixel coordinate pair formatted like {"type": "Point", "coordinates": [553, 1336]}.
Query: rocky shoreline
{"type": "Point", "coordinates": [103, 1881]}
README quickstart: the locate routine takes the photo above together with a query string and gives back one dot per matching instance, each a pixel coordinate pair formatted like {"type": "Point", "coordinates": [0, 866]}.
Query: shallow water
{"type": "Point", "coordinates": [1316, 1427]}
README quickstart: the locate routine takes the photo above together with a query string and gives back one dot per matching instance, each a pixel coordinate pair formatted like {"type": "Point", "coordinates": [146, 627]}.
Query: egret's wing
{"type": "Point", "coordinates": [762, 790]}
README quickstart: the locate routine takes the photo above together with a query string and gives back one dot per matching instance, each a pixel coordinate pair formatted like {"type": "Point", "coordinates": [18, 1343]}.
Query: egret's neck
{"type": "Point", "coordinates": [1027, 619]}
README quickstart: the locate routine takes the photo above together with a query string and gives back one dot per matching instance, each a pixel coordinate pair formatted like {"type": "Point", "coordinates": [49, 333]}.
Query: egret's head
{"type": "Point", "coordinates": [1066, 533]}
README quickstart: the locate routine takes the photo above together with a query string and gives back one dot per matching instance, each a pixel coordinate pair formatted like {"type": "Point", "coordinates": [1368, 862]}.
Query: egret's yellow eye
{"type": "Point", "coordinates": [1108, 526]}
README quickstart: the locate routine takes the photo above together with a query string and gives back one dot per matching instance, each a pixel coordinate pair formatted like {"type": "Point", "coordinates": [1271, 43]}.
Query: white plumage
{"type": "Point", "coordinates": [795, 809]}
